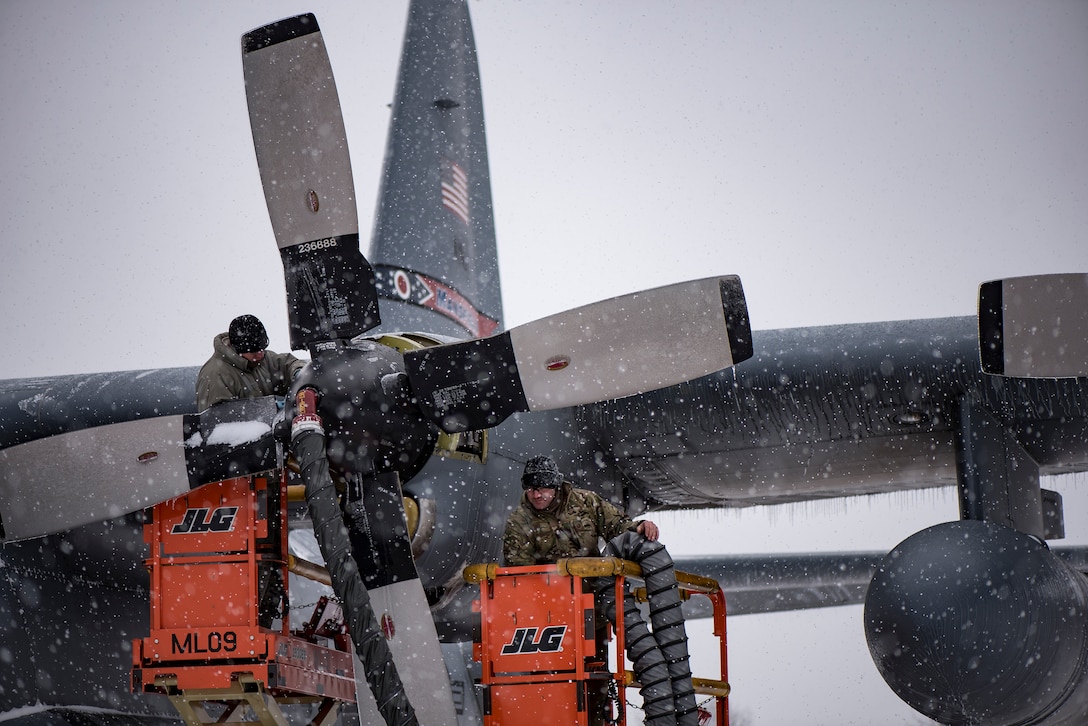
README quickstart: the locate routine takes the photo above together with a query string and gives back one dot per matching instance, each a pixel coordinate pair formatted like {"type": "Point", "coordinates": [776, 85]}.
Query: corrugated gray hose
{"type": "Point", "coordinates": [666, 617]}
{"type": "Point", "coordinates": [308, 446]}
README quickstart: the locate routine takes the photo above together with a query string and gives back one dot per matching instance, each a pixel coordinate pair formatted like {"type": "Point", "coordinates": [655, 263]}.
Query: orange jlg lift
{"type": "Point", "coordinates": [221, 649]}
{"type": "Point", "coordinates": [537, 641]}
{"type": "Point", "coordinates": [220, 638]}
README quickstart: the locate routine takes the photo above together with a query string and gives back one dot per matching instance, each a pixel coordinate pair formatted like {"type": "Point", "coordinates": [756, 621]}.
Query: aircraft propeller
{"type": "Point", "coordinates": [371, 396]}
{"type": "Point", "coordinates": [381, 409]}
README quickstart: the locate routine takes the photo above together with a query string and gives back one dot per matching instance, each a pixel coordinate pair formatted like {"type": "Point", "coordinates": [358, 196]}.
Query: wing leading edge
{"type": "Point", "coordinates": [830, 412]}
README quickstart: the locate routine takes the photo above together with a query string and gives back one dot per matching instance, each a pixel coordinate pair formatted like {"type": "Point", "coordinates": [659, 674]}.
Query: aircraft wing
{"type": "Point", "coordinates": [34, 408]}
{"type": "Point", "coordinates": [766, 583]}
{"type": "Point", "coordinates": [816, 413]}
{"type": "Point", "coordinates": [828, 412]}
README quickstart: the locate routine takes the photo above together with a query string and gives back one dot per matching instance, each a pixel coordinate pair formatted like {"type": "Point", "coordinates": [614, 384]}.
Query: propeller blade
{"type": "Point", "coordinates": [382, 549]}
{"type": "Point", "coordinates": [99, 473]}
{"type": "Point", "coordinates": [64, 481]}
{"type": "Point", "coordinates": [609, 349]}
{"type": "Point", "coordinates": [1034, 327]}
{"type": "Point", "coordinates": [302, 152]}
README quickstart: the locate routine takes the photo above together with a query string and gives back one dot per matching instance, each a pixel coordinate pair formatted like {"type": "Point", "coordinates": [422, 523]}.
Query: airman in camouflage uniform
{"type": "Point", "coordinates": [554, 520]}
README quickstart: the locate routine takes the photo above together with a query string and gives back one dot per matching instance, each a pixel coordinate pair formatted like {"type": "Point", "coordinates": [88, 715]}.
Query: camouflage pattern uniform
{"type": "Point", "coordinates": [569, 527]}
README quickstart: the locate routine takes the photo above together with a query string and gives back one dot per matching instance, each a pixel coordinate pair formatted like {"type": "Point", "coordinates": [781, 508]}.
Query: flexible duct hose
{"type": "Point", "coordinates": [648, 663]}
{"type": "Point", "coordinates": [308, 446]}
{"type": "Point", "coordinates": [666, 618]}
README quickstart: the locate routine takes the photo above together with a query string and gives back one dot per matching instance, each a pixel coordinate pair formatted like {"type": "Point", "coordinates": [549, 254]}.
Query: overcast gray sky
{"type": "Point", "coordinates": [851, 161]}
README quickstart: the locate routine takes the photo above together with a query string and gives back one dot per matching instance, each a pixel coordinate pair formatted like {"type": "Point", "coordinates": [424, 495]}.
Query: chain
{"type": "Point", "coordinates": [614, 699]}
{"type": "Point", "coordinates": [704, 714]}
{"type": "Point", "coordinates": [613, 693]}
{"type": "Point", "coordinates": [313, 604]}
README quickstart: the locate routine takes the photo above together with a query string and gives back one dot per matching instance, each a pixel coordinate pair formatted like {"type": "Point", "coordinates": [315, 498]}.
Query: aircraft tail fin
{"type": "Point", "coordinates": [433, 246]}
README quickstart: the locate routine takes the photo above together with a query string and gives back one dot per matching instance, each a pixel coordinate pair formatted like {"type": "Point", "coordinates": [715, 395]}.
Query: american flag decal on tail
{"type": "Point", "coordinates": [455, 191]}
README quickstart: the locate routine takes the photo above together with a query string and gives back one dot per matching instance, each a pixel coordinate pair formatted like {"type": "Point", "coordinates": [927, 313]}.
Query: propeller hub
{"type": "Point", "coordinates": [372, 424]}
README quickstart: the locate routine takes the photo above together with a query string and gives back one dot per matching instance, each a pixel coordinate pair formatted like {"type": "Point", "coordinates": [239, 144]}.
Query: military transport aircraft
{"type": "Point", "coordinates": [815, 413]}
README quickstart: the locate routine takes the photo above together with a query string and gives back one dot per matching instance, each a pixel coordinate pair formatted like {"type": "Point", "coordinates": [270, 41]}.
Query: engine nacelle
{"type": "Point", "coordinates": [972, 622]}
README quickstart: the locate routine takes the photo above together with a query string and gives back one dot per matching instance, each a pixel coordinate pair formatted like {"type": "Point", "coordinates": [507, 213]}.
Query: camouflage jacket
{"type": "Point", "coordinates": [570, 527]}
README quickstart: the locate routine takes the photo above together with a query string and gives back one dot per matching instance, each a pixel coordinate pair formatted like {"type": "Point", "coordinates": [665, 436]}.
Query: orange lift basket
{"type": "Point", "coordinates": [537, 644]}
{"type": "Point", "coordinates": [220, 633]}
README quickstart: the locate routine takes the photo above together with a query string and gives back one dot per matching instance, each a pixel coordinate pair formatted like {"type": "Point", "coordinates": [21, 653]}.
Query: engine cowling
{"type": "Point", "coordinates": [972, 622]}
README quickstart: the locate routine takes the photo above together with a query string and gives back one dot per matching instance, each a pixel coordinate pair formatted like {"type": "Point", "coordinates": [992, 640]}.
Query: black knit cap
{"type": "Point", "coordinates": [541, 472]}
{"type": "Point", "coordinates": [247, 334]}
